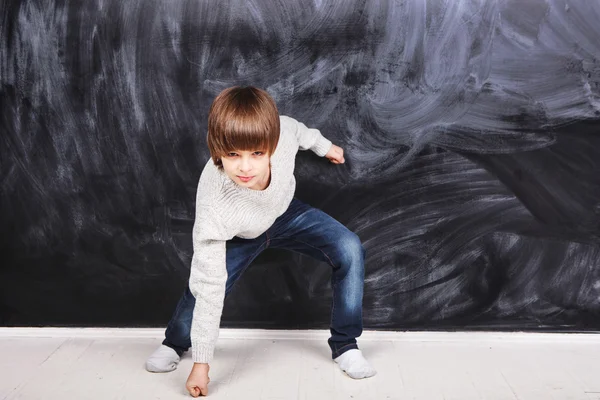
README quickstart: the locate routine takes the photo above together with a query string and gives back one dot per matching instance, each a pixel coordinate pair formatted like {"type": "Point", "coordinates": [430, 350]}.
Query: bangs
{"type": "Point", "coordinates": [245, 132]}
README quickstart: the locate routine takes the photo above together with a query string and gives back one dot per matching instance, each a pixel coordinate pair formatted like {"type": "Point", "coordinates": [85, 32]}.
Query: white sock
{"type": "Point", "coordinates": [164, 359]}
{"type": "Point", "coordinates": [355, 365]}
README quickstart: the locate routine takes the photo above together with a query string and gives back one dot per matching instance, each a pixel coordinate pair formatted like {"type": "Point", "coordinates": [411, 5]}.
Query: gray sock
{"type": "Point", "coordinates": [164, 359]}
{"type": "Point", "coordinates": [355, 365]}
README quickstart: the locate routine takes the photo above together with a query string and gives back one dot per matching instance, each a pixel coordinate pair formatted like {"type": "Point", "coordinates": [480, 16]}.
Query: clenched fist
{"type": "Point", "coordinates": [335, 154]}
{"type": "Point", "coordinates": [197, 383]}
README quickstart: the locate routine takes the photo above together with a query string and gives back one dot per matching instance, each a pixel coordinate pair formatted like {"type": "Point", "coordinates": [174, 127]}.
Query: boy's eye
{"type": "Point", "coordinates": [231, 154]}
{"type": "Point", "coordinates": [258, 153]}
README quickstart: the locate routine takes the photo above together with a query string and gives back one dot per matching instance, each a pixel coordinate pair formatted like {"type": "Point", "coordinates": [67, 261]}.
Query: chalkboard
{"type": "Point", "coordinates": [472, 174]}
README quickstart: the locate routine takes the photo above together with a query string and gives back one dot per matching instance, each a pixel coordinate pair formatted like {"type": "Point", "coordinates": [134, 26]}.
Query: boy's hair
{"type": "Point", "coordinates": [242, 118]}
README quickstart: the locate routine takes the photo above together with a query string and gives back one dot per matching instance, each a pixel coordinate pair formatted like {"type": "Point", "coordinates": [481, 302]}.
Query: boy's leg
{"type": "Point", "coordinates": [240, 253]}
{"type": "Point", "coordinates": [310, 231]}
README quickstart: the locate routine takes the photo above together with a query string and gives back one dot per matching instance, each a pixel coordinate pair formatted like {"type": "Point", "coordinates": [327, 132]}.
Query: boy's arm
{"type": "Point", "coordinates": [208, 276]}
{"type": "Point", "coordinates": [308, 138]}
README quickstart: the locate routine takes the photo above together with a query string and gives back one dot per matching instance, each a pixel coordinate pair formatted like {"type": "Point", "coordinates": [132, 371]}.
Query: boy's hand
{"type": "Point", "coordinates": [197, 383]}
{"type": "Point", "coordinates": [335, 154]}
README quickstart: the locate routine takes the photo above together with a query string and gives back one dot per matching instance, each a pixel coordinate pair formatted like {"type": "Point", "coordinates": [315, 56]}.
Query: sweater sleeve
{"type": "Point", "coordinates": [208, 276]}
{"type": "Point", "coordinates": [309, 138]}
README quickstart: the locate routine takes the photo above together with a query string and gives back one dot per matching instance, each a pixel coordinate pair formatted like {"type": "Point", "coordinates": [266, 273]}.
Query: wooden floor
{"type": "Point", "coordinates": [109, 364]}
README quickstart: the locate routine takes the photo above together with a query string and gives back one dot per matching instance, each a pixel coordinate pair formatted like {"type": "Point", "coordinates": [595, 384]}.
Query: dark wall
{"type": "Point", "coordinates": [472, 139]}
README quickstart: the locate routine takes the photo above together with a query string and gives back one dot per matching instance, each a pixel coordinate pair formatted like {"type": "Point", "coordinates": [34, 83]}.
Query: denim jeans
{"type": "Point", "coordinates": [307, 230]}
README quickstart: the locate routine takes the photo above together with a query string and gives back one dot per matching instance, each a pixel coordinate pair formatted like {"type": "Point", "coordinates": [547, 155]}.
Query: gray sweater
{"type": "Point", "coordinates": [224, 210]}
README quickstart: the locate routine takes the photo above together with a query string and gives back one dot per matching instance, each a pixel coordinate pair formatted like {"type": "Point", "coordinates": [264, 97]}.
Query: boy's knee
{"type": "Point", "coordinates": [354, 244]}
{"type": "Point", "coordinates": [351, 249]}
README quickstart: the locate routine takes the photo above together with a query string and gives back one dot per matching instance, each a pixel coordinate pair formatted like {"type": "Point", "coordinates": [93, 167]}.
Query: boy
{"type": "Point", "coordinates": [245, 203]}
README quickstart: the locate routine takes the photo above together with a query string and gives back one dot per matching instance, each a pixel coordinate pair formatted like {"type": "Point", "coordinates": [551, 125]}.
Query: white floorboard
{"type": "Point", "coordinates": [105, 364]}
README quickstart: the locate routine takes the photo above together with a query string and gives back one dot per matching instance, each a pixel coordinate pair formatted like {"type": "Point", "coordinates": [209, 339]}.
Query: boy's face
{"type": "Point", "coordinates": [249, 169]}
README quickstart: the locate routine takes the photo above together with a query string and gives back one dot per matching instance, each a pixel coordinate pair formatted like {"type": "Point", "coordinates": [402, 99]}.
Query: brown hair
{"type": "Point", "coordinates": [242, 118]}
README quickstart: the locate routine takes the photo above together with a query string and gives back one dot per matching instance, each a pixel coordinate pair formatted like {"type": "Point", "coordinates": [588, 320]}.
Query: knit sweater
{"type": "Point", "coordinates": [225, 209]}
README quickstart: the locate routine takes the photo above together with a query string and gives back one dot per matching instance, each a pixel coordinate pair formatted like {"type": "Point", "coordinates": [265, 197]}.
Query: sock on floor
{"type": "Point", "coordinates": [355, 365]}
{"type": "Point", "coordinates": [164, 359]}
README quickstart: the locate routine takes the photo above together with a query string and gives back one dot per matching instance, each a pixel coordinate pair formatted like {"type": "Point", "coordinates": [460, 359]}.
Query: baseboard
{"type": "Point", "coordinates": [229, 333]}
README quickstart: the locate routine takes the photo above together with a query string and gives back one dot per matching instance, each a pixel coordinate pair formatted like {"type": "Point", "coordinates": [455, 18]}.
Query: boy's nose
{"type": "Point", "coordinates": [245, 166]}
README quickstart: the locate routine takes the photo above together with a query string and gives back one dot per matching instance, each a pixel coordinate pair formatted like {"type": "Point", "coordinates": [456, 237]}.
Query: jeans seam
{"type": "Point", "coordinates": [311, 246]}
{"type": "Point", "coordinates": [332, 303]}
{"type": "Point", "coordinates": [346, 345]}
{"type": "Point", "coordinates": [336, 351]}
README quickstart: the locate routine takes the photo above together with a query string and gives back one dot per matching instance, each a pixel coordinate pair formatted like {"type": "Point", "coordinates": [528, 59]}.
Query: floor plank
{"type": "Point", "coordinates": [20, 358]}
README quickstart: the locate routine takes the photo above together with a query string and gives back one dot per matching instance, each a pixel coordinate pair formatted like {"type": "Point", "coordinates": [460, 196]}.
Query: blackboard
{"type": "Point", "coordinates": [472, 140]}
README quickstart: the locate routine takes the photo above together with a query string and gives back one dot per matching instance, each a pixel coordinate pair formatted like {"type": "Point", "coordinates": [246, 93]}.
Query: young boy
{"type": "Point", "coordinates": [245, 203]}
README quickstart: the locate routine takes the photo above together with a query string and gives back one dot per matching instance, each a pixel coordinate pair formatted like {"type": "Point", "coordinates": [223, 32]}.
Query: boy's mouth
{"type": "Point", "coordinates": [245, 178]}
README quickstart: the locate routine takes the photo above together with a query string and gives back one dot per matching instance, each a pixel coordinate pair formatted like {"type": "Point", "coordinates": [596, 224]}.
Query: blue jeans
{"type": "Point", "coordinates": [307, 230]}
